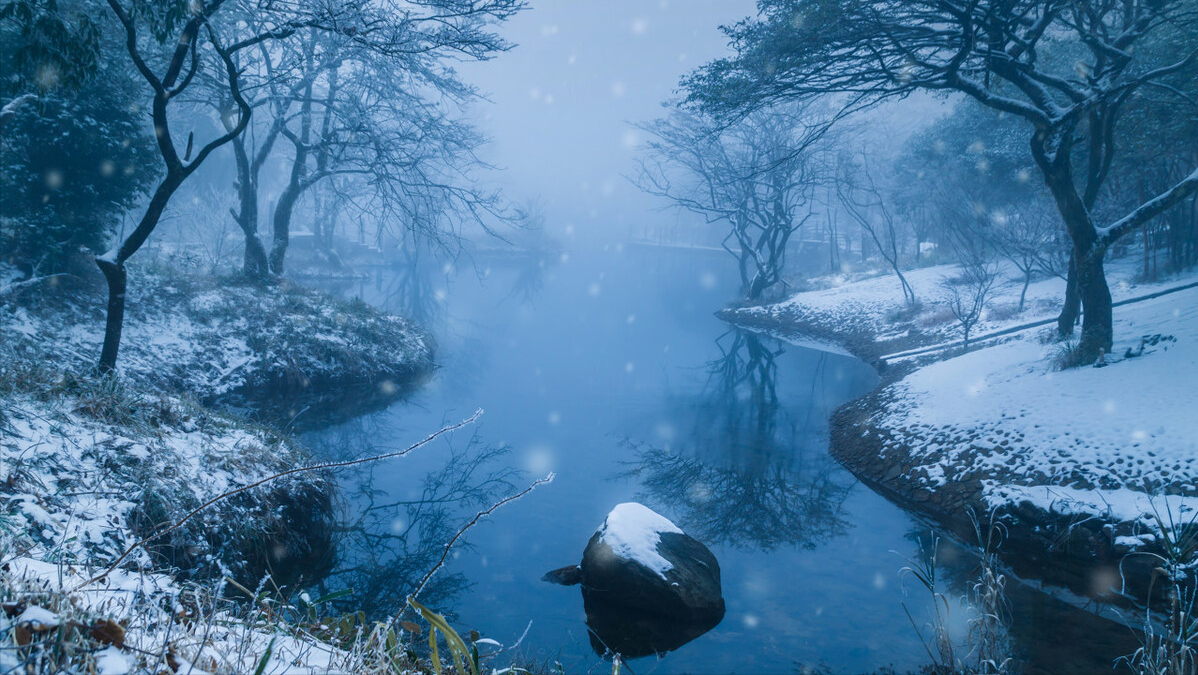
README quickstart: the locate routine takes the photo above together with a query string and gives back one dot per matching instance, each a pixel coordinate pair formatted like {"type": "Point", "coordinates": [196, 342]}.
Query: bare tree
{"type": "Point", "coordinates": [966, 295]}
{"type": "Point", "coordinates": [863, 200]}
{"type": "Point", "coordinates": [385, 123]}
{"type": "Point", "coordinates": [757, 176]}
{"type": "Point", "coordinates": [1030, 240]}
{"type": "Point", "coordinates": [174, 75]}
{"type": "Point", "coordinates": [1068, 69]}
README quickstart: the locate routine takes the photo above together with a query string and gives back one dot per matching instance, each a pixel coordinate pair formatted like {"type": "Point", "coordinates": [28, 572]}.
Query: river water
{"type": "Point", "coordinates": [609, 370]}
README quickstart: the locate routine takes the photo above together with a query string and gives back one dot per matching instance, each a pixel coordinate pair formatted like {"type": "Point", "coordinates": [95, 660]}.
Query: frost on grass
{"type": "Point", "coordinates": [214, 338]}
{"type": "Point", "coordinates": [88, 469]}
{"type": "Point", "coordinates": [1114, 443]}
{"type": "Point", "coordinates": [633, 531]}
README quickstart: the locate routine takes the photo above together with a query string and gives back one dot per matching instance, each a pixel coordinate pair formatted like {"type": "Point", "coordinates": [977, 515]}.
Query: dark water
{"type": "Point", "coordinates": [610, 370]}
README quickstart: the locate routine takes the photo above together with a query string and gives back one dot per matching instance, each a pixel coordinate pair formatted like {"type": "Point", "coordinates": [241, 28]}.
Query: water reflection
{"type": "Point", "coordinates": [389, 536]}
{"type": "Point", "coordinates": [633, 633]}
{"type": "Point", "coordinates": [747, 471]}
{"type": "Point", "coordinates": [415, 286]}
{"type": "Point", "coordinates": [1035, 636]}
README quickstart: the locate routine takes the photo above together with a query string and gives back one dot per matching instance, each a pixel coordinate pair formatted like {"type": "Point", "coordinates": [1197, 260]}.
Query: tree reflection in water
{"type": "Point", "coordinates": [387, 539]}
{"type": "Point", "coordinates": [745, 470]}
{"type": "Point", "coordinates": [410, 289]}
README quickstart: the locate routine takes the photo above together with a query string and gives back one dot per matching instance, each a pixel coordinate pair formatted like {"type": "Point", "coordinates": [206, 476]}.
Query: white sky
{"type": "Point", "coordinates": [562, 99]}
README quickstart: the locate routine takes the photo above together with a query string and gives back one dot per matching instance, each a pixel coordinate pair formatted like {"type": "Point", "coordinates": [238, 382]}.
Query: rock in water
{"type": "Point", "coordinates": [640, 560]}
{"type": "Point", "coordinates": [564, 576]}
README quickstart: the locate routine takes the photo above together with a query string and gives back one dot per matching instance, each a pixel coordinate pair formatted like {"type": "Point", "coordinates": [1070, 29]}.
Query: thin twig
{"type": "Point", "coordinates": [477, 517]}
{"type": "Point", "coordinates": [312, 467]}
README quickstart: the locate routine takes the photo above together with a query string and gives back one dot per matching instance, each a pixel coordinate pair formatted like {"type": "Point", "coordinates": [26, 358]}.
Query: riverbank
{"type": "Point", "coordinates": [1083, 466]}
{"type": "Point", "coordinates": [91, 466]}
{"type": "Point", "coordinates": [280, 350]}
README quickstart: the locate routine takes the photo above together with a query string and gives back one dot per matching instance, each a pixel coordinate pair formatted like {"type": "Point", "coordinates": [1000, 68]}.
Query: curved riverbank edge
{"type": "Point", "coordinates": [280, 351]}
{"type": "Point", "coordinates": [1067, 527]}
{"type": "Point", "coordinates": [91, 466]}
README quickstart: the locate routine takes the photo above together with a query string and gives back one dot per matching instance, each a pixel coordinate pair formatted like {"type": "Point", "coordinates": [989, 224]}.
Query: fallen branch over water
{"type": "Point", "coordinates": [477, 517]}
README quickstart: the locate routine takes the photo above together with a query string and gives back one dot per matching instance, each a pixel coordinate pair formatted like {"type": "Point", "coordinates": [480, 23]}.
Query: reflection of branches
{"type": "Point", "coordinates": [410, 291]}
{"type": "Point", "coordinates": [530, 279]}
{"type": "Point", "coordinates": [388, 541]}
{"type": "Point", "coordinates": [746, 372]}
{"type": "Point", "coordinates": [748, 471]}
{"type": "Point", "coordinates": [763, 509]}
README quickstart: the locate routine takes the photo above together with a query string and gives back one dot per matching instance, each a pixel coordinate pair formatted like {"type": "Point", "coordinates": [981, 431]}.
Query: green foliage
{"type": "Point", "coordinates": [462, 655]}
{"type": "Point", "coordinates": [45, 46]}
{"type": "Point", "coordinates": [70, 166]}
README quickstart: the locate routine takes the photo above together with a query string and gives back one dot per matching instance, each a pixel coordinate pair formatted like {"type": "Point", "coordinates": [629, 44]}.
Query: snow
{"type": "Point", "coordinates": [1113, 443]}
{"type": "Point", "coordinates": [71, 482]}
{"type": "Point", "coordinates": [146, 602]}
{"type": "Point", "coordinates": [870, 305]}
{"type": "Point", "coordinates": [633, 531]}
{"type": "Point", "coordinates": [40, 618]}
{"type": "Point", "coordinates": [211, 338]}
{"type": "Point", "coordinates": [110, 661]}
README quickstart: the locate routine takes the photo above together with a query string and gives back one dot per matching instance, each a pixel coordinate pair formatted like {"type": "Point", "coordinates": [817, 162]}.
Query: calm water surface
{"type": "Point", "coordinates": [610, 370]}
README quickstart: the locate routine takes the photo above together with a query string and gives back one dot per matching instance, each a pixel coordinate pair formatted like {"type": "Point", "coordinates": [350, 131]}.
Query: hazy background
{"type": "Point", "coordinates": [561, 101]}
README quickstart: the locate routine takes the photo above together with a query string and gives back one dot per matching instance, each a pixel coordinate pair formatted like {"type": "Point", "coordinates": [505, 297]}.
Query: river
{"type": "Point", "coordinates": [609, 370]}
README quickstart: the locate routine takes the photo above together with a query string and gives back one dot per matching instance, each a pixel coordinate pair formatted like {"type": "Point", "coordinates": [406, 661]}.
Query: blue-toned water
{"type": "Point", "coordinates": [609, 369]}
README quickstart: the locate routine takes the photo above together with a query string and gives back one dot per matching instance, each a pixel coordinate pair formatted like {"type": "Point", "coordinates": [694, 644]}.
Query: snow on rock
{"type": "Point", "coordinates": [633, 532]}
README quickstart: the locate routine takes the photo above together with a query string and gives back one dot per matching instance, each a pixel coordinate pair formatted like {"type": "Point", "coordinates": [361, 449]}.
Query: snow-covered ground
{"type": "Point", "coordinates": [1108, 442]}
{"type": "Point", "coordinates": [90, 466]}
{"type": "Point", "coordinates": [130, 623]}
{"type": "Point", "coordinates": [869, 314]}
{"type": "Point", "coordinates": [79, 466]}
{"type": "Point", "coordinates": [210, 337]}
{"type": "Point", "coordinates": [1002, 427]}
{"type": "Point", "coordinates": [84, 475]}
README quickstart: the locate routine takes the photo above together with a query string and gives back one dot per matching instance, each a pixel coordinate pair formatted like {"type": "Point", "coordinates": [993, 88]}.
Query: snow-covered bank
{"type": "Point", "coordinates": [222, 339]}
{"type": "Point", "coordinates": [869, 317]}
{"type": "Point", "coordinates": [1083, 465]}
{"type": "Point", "coordinates": [89, 468]}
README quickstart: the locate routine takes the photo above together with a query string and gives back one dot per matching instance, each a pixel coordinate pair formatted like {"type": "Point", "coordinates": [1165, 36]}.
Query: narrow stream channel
{"type": "Point", "coordinates": [610, 370]}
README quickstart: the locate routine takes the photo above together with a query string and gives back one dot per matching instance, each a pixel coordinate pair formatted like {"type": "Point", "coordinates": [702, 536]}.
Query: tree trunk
{"type": "Point", "coordinates": [114, 269]}
{"type": "Point", "coordinates": [1027, 280]}
{"type": "Point", "coordinates": [1097, 320]}
{"type": "Point", "coordinates": [114, 274]}
{"type": "Point", "coordinates": [282, 227]}
{"type": "Point", "coordinates": [1073, 305]}
{"type": "Point", "coordinates": [256, 265]}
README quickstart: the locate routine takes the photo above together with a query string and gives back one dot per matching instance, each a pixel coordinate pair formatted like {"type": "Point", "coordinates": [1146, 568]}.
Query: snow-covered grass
{"type": "Point", "coordinates": [91, 466]}
{"type": "Point", "coordinates": [143, 623]}
{"type": "Point", "coordinates": [869, 316]}
{"type": "Point", "coordinates": [1108, 442]}
{"type": "Point", "coordinates": [220, 338]}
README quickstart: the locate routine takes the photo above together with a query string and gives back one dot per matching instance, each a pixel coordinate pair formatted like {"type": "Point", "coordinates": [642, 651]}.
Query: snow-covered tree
{"type": "Point", "coordinates": [1066, 69]}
